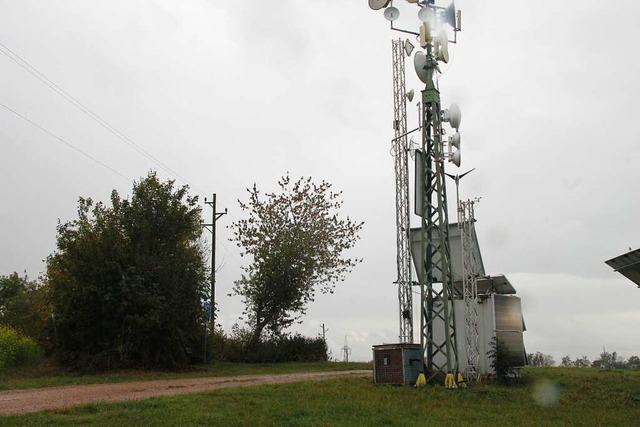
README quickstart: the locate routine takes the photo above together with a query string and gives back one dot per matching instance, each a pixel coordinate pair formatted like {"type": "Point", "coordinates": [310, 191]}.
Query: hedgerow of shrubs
{"type": "Point", "coordinates": [287, 348]}
{"type": "Point", "coordinates": [16, 349]}
{"type": "Point", "coordinates": [294, 348]}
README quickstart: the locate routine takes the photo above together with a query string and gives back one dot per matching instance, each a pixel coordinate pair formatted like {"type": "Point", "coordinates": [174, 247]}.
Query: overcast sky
{"type": "Point", "coordinates": [223, 93]}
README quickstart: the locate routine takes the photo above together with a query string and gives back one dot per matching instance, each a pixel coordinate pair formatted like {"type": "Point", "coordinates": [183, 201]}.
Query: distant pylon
{"type": "Point", "coordinates": [346, 350]}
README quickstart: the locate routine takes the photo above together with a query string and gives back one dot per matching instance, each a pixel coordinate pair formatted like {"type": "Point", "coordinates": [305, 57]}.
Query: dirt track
{"type": "Point", "coordinates": [40, 399]}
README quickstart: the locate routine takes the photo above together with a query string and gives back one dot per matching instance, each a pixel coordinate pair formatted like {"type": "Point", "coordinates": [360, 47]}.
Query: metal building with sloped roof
{"type": "Point", "coordinates": [500, 314]}
{"type": "Point", "coordinates": [628, 265]}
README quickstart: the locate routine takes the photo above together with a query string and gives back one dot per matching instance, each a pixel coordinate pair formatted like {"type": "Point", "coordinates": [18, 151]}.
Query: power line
{"type": "Point", "coordinates": [86, 110]}
{"type": "Point", "coordinates": [95, 117]}
{"type": "Point", "coordinates": [68, 144]}
{"type": "Point", "coordinates": [93, 159]}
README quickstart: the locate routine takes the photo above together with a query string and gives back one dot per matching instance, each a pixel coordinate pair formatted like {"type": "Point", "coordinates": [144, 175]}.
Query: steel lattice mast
{"type": "Point", "coordinates": [436, 300]}
{"type": "Point", "coordinates": [400, 152]}
{"type": "Point", "coordinates": [437, 318]}
{"type": "Point", "coordinates": [470, 287]}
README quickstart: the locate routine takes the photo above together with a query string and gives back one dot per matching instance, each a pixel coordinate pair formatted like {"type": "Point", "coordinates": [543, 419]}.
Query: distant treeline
{"type": "Point", "coordinates": [606, 360]}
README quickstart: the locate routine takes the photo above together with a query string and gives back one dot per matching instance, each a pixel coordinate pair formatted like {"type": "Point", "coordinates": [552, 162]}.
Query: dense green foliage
{"type": "Point", "coordinates": [296, 243]}
{"type": "Point", "coordinates": [547, 397]}
{"type": "Point", "coordinates": [14, 300]}
{"type": "Point", "coordinates": [24, 306]}
{"type": "Point", "coordinates": [284, 348]}
{"type": "Point", "coordinates": [127, 280]}
{"type": "Point", "coordinates": [16, 349]}
{"type": "Point", "coordinates": [499, 356]}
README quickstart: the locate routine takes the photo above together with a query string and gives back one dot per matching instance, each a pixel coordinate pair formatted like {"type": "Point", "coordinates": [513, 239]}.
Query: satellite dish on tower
{"type": "Point", "coordinates": [453, 116]}
{"type": "Point", "coordinates": [410, 95]}
{"type": "Point", "coordinates": [424, 14]}
{"type": "Point", "coordinates": [391, 13]}
{"type": "Point", "coordinates": [443, 50]}
{"type": "Point", "coordinates": [449, 15]}
{"type": "Point", "coordinates": [378, 4]}
{"type": "Point", "coordinates": [455, 158]}
{"type": "Point", "coordinates": [455, 140]}
{"type": "Point", "coordinates": [420, 63]}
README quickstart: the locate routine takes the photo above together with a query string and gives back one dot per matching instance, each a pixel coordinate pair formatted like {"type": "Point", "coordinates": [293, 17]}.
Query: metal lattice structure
{"type": "Point", "coordinates": [437, 318]}
{"type": "Point", "coordinates": [470, 287]}
{"type": "Point", "coordinates": [400, 152]}
{"type": "Point", "coordinates": [346, 350]}
{"type": "Point", "coordinates": [436, 298]}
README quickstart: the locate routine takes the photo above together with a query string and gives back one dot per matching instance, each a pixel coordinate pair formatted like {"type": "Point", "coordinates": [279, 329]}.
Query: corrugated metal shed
{"type": "Point", "coordinates": [628, 265]}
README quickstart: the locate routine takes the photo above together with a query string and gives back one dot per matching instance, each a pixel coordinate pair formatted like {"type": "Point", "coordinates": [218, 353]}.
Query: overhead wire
{"type": "Point", "coordinates": [65, 142]}
{"type": "Point", "coordinates": [86, 110]}
{"type": "Point", "coordinates": [95, 117]}
{"type": "Point", "coordinates": [93, 159]}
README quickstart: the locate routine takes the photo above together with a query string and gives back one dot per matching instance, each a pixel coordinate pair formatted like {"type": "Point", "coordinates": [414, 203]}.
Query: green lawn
{"type": "Point", "coordinates": [567, 397]}
{"type": "Point", "coordinates": [48, 375]}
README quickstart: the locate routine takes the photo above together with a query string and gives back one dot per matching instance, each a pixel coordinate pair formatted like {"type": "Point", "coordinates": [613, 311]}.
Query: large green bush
{"type": "Point", "coordinates": [127, 281]}
{"type": "Point", "coordinates": [16, 349]}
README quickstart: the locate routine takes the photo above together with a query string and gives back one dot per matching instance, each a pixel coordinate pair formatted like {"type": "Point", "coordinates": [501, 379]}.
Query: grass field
{"type": "Point", "coordinates": [546, 397]}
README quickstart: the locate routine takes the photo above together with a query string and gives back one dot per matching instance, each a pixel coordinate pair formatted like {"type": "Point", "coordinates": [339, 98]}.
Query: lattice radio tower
{"type": "Point", "coordinates": [470, 272]}
{"type": "Point", "coordinates": [400, 151]}
{"type": "Point", "coordinates": [437, 299]}
{"type": "Point", "coordinates": [437, 321]}
{"type": "Point", "coordinates": [470, 287]}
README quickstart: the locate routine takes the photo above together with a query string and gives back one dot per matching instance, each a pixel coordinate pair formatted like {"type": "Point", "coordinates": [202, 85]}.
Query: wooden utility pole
{"type": "Point", "coordinates": [212, 300]}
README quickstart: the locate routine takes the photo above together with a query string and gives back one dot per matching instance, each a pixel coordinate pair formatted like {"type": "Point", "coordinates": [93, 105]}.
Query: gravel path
{"type": "Point", "coordinates": [40, 399]}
